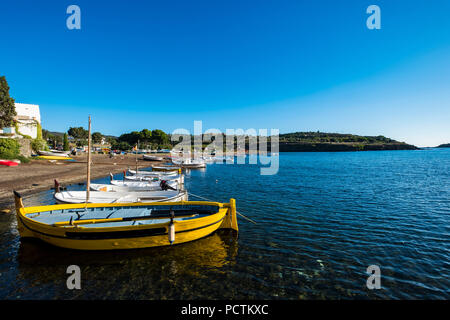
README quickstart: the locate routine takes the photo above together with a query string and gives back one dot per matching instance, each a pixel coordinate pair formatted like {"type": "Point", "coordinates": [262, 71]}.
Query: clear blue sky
{"type": "Point", "coordinates": [292, 65]}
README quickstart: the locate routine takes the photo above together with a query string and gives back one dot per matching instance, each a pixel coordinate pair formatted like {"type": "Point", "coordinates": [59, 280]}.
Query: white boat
{"type": "Point", "coordinates": [152, 173]}
{"type": "Point", "coordinates": [123, 186]}
{"type": "Point", "coordinates": [152, 158]}
{"type": "Point", "coordinates": [153, 178]}
{"type": "Point", "coordinates": [166, 168]}
{"type": "Point", "coordinates": [59, 151]}
{"type": "Point", "coordinates": [141, 183]}
{"type": "Point", "coordinates": [190, 164]}
{"type": "Point", "coordinates": [53, 154]}
{"type": "Point", "coordinates": [121, 197]}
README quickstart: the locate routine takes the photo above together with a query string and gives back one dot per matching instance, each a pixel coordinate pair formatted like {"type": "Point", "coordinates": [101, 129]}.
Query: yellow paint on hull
{"type": "Point", "coordinates": [53, 158]}
{"type": "Point", "coordinates": [186, 230]}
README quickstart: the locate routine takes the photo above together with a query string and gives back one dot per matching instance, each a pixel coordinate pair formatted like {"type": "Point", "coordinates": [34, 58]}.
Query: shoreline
{"type": "Point", "coordinates": [39, 175]}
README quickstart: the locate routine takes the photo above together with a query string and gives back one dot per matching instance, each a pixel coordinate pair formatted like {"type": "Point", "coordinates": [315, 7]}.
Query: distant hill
{"type": "Point", "coordinates": [322, 141]}
{"type": "Point", "coordinates": [445, 145]}
{"type": "Point", "coordinates": [59, 134]}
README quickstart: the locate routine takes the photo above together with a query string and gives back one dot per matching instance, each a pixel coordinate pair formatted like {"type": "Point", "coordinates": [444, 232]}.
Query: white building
{"type": "Point", "coordinates": [28, 116]}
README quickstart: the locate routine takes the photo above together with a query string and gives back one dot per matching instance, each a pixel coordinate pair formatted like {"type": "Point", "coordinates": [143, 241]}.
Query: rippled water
{"type": "Point", "coordinates": [321, 221]}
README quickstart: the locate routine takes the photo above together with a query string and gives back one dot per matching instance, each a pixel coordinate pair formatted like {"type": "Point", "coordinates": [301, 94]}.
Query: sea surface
{"type": "Point", "coordinates": [320, 223]}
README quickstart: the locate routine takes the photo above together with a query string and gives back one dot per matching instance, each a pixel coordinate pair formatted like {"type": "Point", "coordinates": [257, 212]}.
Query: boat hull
{"type": "Point", "coordinates": [53, 154]}
{"type": "Point", "coordinates": [120, 197]}
{"type": "Point", "coordinates": [53, 158]}
{"type": "Point", "coordinates": [168, 168]}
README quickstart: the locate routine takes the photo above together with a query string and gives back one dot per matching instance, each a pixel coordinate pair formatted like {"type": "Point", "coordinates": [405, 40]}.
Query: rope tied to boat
{"type": "Point", "coordinates": [240, 214]}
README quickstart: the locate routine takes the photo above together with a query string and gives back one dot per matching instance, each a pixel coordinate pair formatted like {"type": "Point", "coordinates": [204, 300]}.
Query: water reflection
{"type": "Point", "coordinates": [38, 260]}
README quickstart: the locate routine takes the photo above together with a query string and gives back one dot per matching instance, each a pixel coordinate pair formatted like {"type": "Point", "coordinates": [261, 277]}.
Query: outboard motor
{"type": "Point", "coordinates": [165, 186]}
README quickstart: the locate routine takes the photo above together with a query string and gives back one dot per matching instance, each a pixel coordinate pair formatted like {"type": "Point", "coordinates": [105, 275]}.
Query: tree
{"type": "Point", "coordinates": [120, 145]}
{"type": "Point", "coordinates": [97, 137]}
{"type": "Point", "coordinates": [146, 136]}
{"type": "Point", "coordinates": [66, 143]}
{"type": "Point", "coordinates": [130, 138]}
{"type": "Point", "coordinates": [78, 133]}
{"type": "Point", "coordinates": [7, 106]}
{"type": "Point", "coordinates": [82, 143]}
{"type": "Point", "coordinates": [159, 137]}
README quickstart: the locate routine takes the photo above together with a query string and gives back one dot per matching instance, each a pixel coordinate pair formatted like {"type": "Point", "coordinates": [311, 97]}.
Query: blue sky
{"type": "Point", "coordinates": [292, 65]}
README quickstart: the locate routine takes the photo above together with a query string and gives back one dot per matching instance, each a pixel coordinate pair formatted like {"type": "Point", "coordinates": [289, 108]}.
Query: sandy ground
{"type": "Point", "coordinates": [39, 175]}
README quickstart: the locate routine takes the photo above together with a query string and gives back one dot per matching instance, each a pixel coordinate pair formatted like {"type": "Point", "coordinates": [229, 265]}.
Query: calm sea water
{"type": "Point", "coordinates": [321, 221]}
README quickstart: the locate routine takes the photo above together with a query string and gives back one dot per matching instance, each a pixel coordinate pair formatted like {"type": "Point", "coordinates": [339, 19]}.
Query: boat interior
{"type": "Point", "coordinates": [126, 215]}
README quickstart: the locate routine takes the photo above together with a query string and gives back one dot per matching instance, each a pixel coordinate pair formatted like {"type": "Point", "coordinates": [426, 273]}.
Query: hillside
{"type": "Point", "coordinates": [445, 145]}
{"type": "Point", "coordinates": [321, 141]}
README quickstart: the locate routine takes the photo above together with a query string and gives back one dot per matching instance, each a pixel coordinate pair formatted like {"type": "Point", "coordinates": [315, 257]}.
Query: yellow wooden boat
{"type": "Point", "coordinates": [96, 226]}
{"type": "Point", "coordinates": [52, 158]}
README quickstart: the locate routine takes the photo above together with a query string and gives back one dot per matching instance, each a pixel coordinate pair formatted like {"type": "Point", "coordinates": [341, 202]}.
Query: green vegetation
{"type": "Point", "coordinates": [9, 149]}
{"type": "Point", "coordinates": [7, 107]}
{"type": "Point", "coordinates": [321, 141]}
{"type": "Point", "coordinates": [322, 137]}
{"type": "Point", "coordinates": [78, 133]}
{"type": "Point", "coordinates": [39, 143]}
{"type": "Point", "coordinates": [445, 145]}
{"type": "Point", "coordinates": [66, 142]}
{"type": "Point", "coordinates": [96, 137]}
{"type": "Point", "coordinates": [148, 139]}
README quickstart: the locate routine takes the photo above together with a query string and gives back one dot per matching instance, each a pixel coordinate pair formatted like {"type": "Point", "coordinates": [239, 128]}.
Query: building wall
{"type": "Point", "coordinates": [27, 115]}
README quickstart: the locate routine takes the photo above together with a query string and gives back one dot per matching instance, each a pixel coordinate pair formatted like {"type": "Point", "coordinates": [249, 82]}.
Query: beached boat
{"type": "Point", "coordinates": [60, 151]}
{"type": "Point", "coordinates": [8, 163]}
{"type": "Point", "coordinates": [152, 158]}
{"type": "Point", "coordinates": [116, 226]}
{"type": "Point", "coordinates": [121, 197]}
{"type": "Point", "coordinates": [53, 153]}
{"type": "Point", "coordinates": [53, 158]}
{"type": "Point", "coordinates": [151, 186]}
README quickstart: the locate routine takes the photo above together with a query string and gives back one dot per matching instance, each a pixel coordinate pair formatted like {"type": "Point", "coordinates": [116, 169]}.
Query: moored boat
{"type": "Point", "coordinates": [97, 226]}
{"type": "Point", "coordinates": [189, 164]}
{"type": "Point", "coordinates": [166, 168]}
{"type": "Point", "coordinates": [121, 197]}
{"type": "Point", "coordinates": [154, 173]}
{"type": "Point", "coordinates": [151, 186]}
{"type": "Point", "coordinates": [152, 158]}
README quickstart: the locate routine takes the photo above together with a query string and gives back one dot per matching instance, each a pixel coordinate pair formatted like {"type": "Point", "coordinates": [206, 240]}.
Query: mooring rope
{"type": "Point", "coordinates": [191, 194]}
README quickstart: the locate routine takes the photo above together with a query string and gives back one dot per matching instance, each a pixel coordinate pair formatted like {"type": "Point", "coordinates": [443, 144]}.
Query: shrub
{"type": "Point", "coordinates": [38, 144]}
{"type": "Point", "coordinates": [9, 148]}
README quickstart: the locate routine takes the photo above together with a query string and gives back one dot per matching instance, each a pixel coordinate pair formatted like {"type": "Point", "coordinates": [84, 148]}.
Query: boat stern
{"type": "Point", "coordinates": [230, 221]}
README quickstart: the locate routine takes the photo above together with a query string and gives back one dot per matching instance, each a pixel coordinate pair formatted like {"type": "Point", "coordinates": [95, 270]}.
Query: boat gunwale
{"type": "Point", "coordinates": [24, 211]}
{"type": "Point", "coordinates": [182, 226]}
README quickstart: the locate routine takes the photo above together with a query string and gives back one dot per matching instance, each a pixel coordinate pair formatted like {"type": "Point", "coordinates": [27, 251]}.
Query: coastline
{"type": "Point", "coordinates": [39, 175]}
